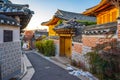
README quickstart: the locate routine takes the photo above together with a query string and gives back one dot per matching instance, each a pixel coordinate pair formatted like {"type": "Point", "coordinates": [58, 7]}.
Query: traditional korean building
{"type": "Point", "coordinates": [13, 18]}
{"type": "Point", "coordinates": [106, 14]}
{"type": "Point", "coordinates": [66, 31]}
{"type": "Point", "coordinates": [64, 24]}
{"type": "Point", "coordinates": [60, 16]}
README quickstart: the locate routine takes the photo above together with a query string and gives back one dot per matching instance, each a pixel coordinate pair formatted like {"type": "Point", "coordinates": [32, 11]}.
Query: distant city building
{"type": "Point", "coordinates": [13, 18]}
{"type": "Point", "coordinates": [40, 32]}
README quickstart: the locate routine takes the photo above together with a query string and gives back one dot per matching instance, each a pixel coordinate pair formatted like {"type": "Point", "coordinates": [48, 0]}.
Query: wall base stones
{"type": "Point", "coordinates": [10, 59]}
{"type": "Point", "coordinates": [80, 58]}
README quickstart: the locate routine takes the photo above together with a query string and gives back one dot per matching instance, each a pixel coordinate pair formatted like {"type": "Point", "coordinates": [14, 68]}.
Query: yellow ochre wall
{"type": "Point", "coordinates": [107, 16]}
{"type": "Point", "coordinates": [51, 31]}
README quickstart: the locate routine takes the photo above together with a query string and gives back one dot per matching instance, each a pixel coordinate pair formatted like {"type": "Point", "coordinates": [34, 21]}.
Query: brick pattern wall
{"type": "Point", "coordinates": [77, 47]}
{"type": "Point", "coordinates": [90, 41]}
{"type": "Point", "coordinates": [10, 59]}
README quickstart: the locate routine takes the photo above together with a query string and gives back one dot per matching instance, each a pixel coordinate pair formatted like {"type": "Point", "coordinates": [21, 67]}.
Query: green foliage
{"type": "Point", "coordinates": [86, 22]}
{"type": "Point", "coordinates": [103, 67]}
{"type": "Point", "coordinates": [46, 47]}
{"type": "Point", "coordinates": [44, 36]}
{"type": "Point", "coordinates": [59, 22]}
{"type": "Point", "coordinates": [39, 46]}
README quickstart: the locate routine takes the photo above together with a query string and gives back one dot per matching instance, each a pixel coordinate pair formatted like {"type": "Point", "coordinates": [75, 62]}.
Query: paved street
{"type": "Point", "coordinates": [45, 70]}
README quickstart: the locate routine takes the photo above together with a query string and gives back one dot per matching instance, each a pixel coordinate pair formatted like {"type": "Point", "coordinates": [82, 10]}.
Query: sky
{"type": "Point", "coordinates": [45, 9]}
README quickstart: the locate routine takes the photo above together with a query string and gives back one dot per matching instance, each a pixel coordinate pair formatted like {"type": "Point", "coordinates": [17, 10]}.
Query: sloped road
{"type": "Point", "coordinates": [46, 70]}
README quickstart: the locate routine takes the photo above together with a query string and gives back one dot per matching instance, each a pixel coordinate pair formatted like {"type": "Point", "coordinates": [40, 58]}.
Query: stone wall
{"type": "Point", "coordinates": [10, 59]}
{"type": "Point", "coordinates": [78, 53]}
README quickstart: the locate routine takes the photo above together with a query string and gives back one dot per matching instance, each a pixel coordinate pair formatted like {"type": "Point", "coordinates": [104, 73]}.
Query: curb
{"type": "Point", "coordinates": [24, 68]}
{"type": "Point", "coordinates": [28, 72]}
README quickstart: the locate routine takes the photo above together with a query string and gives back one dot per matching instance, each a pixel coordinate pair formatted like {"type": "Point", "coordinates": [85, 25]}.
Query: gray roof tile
{"type": "Point", "coordinates": [71, 15]}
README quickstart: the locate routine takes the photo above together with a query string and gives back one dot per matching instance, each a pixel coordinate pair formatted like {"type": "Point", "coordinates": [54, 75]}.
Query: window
{"type": "Point", "coordinates": [8, 35]}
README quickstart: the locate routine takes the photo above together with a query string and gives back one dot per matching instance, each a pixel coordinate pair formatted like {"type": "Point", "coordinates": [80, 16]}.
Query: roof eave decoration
{"type": "Point", "coordinates": [68, 27]}
{"type": "Point", "coordinates": [4, 20]}
{"type": "Point", "coordinates": [108, 28]}
{"type": "Point", "coordinates": [53, 21]}
{"type": "Point", "coordinates": [91, 11]}
{"type": "Point", "coordinates": [12, 10]}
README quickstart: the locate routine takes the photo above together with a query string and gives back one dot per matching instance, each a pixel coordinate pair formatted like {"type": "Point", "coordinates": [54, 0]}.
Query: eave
{"type": "Point", "coordinates": [107, 28]}
{"type": "Point", "coordinates": [53, 21]}
{"type": "Point", "coordinates": [101, 6]}
{"type": "Point", "coordinates": [24, 17]}
{"type": "Point", "coordinates": [65, 31]}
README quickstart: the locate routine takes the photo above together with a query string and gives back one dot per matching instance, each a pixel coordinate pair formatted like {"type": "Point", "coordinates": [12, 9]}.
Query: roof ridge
{"type": "Point", "coordinates": [69, 12]}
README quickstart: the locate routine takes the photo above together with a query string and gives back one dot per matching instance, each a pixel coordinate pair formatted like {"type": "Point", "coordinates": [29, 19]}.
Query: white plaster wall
{"type": "Point", "coordinates": [16, 32]}
{"type": "Point", "coordinates": [57, 50]}
{"type": "Point", "coordinates": [16, 35]}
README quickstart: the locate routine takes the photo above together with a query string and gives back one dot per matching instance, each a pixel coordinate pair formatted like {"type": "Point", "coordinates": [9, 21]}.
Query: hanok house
{"type": "Point", "coordinates": [106, 14]}
{"type": "Point", "coordinates": [13, 18]}
{"type": "Point", "coordinates": [66, 31]}
{"type": "Point", "coordinates": [61, 16]}
{"type": "Point", "coordinates": [64, 44]}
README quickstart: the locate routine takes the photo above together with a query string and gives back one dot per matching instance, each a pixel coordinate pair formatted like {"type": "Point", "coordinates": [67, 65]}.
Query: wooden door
{"type": "Point", "coordinates": [68, 45]}
{"type": "Point", "coordinates": [62, 46]}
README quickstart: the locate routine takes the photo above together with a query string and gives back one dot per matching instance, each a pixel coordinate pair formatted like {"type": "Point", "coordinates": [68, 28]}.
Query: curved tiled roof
{"type": "Point", "coordinates": [71, 24]}
{"type": "Point", "coordinates": [71, 15]}
{"type": "Point", "coordinates": [8, 20]}
{"type": "Point", "coordinates": [94, 9]}
{"type": "Point", "coordinates": [65, 15]}
{"type": "Point", "coordinates": [12, 10]}
{"type": "Point", "coordinates": [101, 29]}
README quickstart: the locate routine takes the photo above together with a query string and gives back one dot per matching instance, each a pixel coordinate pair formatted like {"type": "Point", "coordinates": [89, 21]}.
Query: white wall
{"type": "Point", "coordinates": [16, 35]}
{"type": "Point", "coordinates": [16, 32]}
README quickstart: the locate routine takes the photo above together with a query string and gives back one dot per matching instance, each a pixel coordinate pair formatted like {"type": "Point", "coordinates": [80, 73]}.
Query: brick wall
{"type": "Point", "coordinates": [77, 47]}
{"type": "Point", "coordinates": [90, 41]}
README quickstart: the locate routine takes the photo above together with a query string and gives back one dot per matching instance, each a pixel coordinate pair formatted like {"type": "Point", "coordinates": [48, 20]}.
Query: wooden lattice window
{"type": "Point", "coordinates": [8, 36]}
